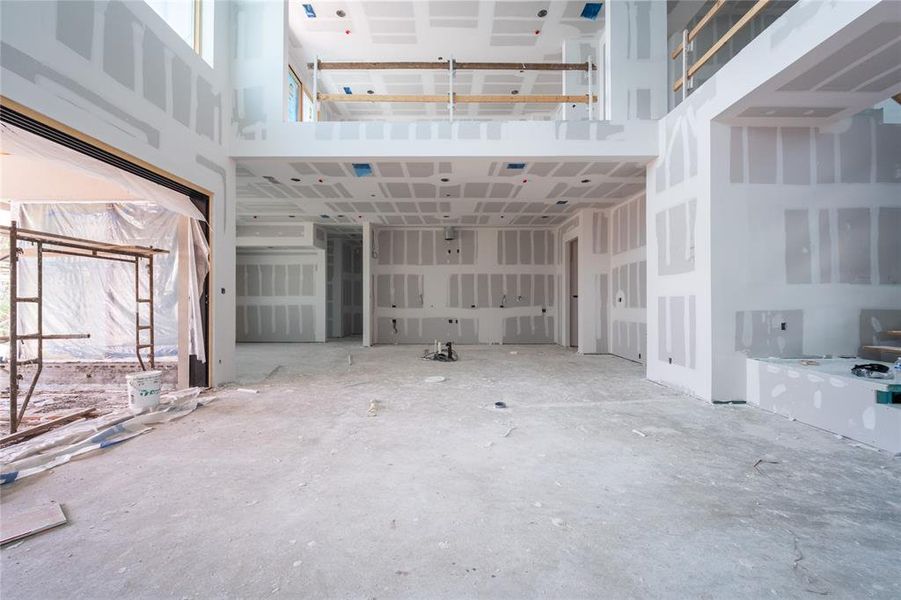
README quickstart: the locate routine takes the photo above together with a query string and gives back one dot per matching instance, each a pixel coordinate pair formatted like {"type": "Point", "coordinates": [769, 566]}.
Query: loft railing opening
{"type": "Point", "coordinates": [590, 95]}
{"type": "Point", "coordinates": [717, 33]}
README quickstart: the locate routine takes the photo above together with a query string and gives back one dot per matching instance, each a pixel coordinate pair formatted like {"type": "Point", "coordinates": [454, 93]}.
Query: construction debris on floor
{"type": "Point", "coordinates": [61, 445]}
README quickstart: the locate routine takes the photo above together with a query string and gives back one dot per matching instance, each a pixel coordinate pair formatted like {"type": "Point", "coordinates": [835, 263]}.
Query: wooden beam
{"type": "Point", "coordinates": [38, 429]}
{"type": "Point", "coordinates": [897, 98]}
{"type": "Point", "coordinates": [458, 99]}
{"type": "Point", "coordinates": [759, 6]}
{"type": "Point", "coordinates": [459, 66]}
{"type": "Point", "coordinates": [700, 25]}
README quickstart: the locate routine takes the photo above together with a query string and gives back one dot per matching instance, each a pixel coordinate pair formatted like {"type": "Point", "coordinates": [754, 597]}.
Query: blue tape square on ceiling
{"type": "Point", "coordinates": [347, 90]}
{"type": "Point", "coordinates": [591, 10]}
{"type": "Point", "coordinates": [362, 169]}
{"type": "Point", "coordinates": [516, 165]}
{"type": "Point", "coordinates": [308, 8]}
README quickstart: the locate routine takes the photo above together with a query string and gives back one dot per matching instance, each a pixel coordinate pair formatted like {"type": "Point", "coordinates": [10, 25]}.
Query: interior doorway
{"type": "Point", "coordinates": [572, 253]}
{"type": "Point", "coordinates": [344, 283]}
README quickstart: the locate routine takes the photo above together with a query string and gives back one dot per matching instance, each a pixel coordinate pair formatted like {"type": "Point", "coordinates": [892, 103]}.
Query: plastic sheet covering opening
{"type": "Point", "coordinates": [87, 295]}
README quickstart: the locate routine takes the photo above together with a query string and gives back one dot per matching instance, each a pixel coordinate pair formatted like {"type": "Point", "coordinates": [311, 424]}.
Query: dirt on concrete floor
{"type": "Point", "coordinates": [67, 386]}
{"type": "Point", "coordinates": [357, 478]}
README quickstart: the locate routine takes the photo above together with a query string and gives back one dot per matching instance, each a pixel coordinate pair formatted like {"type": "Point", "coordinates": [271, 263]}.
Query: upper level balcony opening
{"type": "Point", "coordinates": [473, 61]}
{"type": "Point", "coordinates": [713, 31]}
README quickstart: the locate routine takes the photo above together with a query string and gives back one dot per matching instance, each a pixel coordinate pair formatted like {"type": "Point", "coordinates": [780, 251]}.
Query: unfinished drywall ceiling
{"type": "Point", "coordinates": [841, 77]}
{"type": "Point", "coordinates": [438, 30]}
{"type": "Point", "coordinates": [493, 192]}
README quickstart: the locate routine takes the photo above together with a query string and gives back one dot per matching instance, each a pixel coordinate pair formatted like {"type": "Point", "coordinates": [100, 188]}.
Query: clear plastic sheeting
{"type": "Point", "coordinates": [97, 297]}
{"type": "Point", "coordinates": [77, 439]}
{"type": "Point", "coordinates": [21, 143]}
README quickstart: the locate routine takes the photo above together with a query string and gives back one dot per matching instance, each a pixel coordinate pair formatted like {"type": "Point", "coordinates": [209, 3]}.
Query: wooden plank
{"type": "Point", "coordinates": [884, 348]}
{"type": "Point", "coordinates": [38, 429]}
{"type": "Point", "coordinates": [759, 6]}
{"type": "Point", "coordinates": [27, 523]}
{"type": "Point", "coordinates": [893, 333]}
{"type": "Point", "coordinates": [700, 25]}
{"type": "Point", "coordinates": [458, 99]}
{"type": "Point", "coordinates": [444, 65]}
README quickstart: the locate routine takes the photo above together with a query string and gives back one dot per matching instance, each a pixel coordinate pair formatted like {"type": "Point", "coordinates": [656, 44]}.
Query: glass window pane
{"type": "Point", "coordinates": [293, 97]}
{"type": "Point", "coordinates": [179, 14]}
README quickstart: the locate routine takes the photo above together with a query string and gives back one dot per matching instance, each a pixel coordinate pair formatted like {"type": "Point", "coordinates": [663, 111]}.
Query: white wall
{"type": "Point", "coordinates": [280, 295]}
{"type": "Point", "coordinates": [487, 286]}
{"type": "Point", "coordinates": [807, 233]}
{"type": "Point", "coordinates": [612, 274]}
{"type": "Point", "coordinates": [627, 298]}
{"type": "Point", "coordinates": [117, 72]}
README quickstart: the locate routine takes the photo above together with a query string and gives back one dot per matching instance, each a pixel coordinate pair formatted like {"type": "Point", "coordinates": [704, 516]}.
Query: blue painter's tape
{"type": "Point", "coordinates": [347, 90]}
{"type": "Point", "coordinates": [517, 166]}
{"type": "Point", "coordinates": [591, 10]}
{"type": "Point", "coordinates": [362, 169]}
{"type": "Point", "coordinates": [8, 477]}
{"type": "Point", "coordinates": [308, 8]}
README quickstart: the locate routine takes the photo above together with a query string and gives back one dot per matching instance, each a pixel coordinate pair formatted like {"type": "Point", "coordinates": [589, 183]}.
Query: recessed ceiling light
{"type": "Point", "coordinates": [341, 13]}
{"type": "Point", "coordinates": [370, 92]}
{"type": "Point", "coordinates": [445, 179]}
{"type": "Point", "coordinates": [515, 92]}
{"type": "Point", "coordinates": [586, 181]}
{"type": "Point", "coordinates": [254, 216]}
{"type": "Point", "coordinates": [542, 13]}
{"type": "Point", "coordinates": [295, 179]}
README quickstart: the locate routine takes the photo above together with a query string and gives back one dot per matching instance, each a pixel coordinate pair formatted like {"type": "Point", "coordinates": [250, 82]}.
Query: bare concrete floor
{"type": "Point", "coordinates": [297, 492]}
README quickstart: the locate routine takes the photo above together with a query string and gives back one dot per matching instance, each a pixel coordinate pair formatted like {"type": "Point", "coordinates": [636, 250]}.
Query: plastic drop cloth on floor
{"type": "Point", "coordinates": [59, 446]}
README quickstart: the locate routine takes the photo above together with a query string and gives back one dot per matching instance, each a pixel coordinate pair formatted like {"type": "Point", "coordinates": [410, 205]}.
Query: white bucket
{"type": "Point", "coordinates": [143, 390]}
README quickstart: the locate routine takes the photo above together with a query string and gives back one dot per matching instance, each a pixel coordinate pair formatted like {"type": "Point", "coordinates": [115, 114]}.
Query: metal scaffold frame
{"type": "Point", "coordinates": [50, 244]}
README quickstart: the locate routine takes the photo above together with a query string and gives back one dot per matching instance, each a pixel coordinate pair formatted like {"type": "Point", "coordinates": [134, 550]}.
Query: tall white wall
{"type": "Point", "coordinates": [678, 253]}
{"type": "Point", "coordinates": [116, 71]}
{"type": "Point", "coordinates": [627, 299]}
{"type": "Point", "coordinates": [488, 285]}
{"type": "Point", "coordinates": [807, 237]}
{"type": "Point", "coordinates": [635, 59]}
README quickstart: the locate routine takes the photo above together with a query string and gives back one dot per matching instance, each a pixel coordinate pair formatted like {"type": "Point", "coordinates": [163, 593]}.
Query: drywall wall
{"type": "Point", "coordinates": [344, 286]}
{"type": "Point", "coordinates": [635, 59]}
{"type": "Point", "coordinates": [280, 295]}
{"type": "Point", "coordinates": [612, 303]}
{"type": "Point", "coordinates": [678, 251]}
{"type": "Point", "coordinates": [627, 299]}
{"type": "Point", "coordinates": [807, 233]}
{"type": "Point", "coordinates": [488, 285]}
{"type": "Point", "coordinates": [117, 72]}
